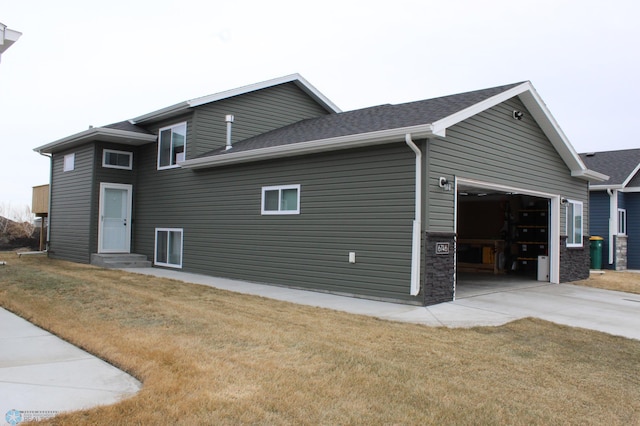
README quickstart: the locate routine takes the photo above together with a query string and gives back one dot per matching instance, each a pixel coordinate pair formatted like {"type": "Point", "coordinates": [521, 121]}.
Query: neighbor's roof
{"type": "Point", "coordinates": [388, 123]}
{"type": "Point", "coordinates": [621, 166]}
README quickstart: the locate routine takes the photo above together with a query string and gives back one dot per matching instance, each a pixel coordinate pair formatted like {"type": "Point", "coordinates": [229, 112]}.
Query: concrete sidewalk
{"type": "Point", "coordinates": [42, 375]}
{"type": "Point", "coordinates": [611, 312]}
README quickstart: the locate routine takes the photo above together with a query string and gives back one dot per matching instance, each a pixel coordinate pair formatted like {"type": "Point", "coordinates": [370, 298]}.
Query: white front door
{"type": "Point", "coordinates": [114, 226]}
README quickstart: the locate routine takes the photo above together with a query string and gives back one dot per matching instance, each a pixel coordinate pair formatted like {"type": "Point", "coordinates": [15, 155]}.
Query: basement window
{"type": "Point", "coordinates": [168, 247]}
{"type": "Point", "coordinates": [281, 199]}
{"type": "Point", "coordinates": [574, 224]}
{"type": "Point", "coordinates": [172, 145]}
{"type": "Point", "coordinates": [117, 159]}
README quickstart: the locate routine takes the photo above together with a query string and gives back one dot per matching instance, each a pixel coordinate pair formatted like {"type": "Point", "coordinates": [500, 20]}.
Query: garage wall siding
{"type": "Point", "coordinates": [71, 206]}
{"type": "Point", "coordinates": [353, 200]}
{"type": "Point", "coordinates": [495, 148]}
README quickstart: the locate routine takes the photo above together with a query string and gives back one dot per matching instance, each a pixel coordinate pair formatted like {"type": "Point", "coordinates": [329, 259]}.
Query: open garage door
{"type": "Point", "coordinates": [503, 239]}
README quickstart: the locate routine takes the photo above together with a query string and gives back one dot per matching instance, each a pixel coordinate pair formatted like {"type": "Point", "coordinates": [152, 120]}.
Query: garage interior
{"type": "Point", "coordinates": [502, 241]}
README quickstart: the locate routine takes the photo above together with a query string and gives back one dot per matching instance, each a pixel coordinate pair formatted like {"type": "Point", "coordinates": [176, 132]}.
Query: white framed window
{"type": "Point", "coordinates": [622, 222]}
{"type": "Point", "coordinates": [574, 223]}
{"type": "Point", "coordinates": [168, 250]}
{"type": "Point", "coordinates": [284, 199]}
{"type": "Point", "coordinates": [172, 145]}
{"type": "Point", "coordinates": [113, 159]}
{"type": "Point", "coordinates": [69, 162]}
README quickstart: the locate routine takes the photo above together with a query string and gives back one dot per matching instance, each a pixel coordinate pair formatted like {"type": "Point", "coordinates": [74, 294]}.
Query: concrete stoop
{"type": "Point", "coordinates": [120, 260]}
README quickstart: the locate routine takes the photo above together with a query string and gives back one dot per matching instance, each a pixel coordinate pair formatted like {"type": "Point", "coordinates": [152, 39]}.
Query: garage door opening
{"type": "Point", "coordinates": [503, 240]}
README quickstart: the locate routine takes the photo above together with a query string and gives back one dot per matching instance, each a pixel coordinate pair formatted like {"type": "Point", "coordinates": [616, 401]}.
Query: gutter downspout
{"type": "Point", "coordinates": [613, 220]}
{"type": "Point", "coordinates": [417, 225]}
{"type": "Point", "coordinates": [50, 157]}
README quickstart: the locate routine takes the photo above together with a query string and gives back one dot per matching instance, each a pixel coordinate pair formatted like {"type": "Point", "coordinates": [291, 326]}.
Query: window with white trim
{"type": "Point", "coordinates": [113, 159]}
{"type": "Point", "coordinates": [622, 222]}
{"type": "Point", "coordinates": [172, 145]}
{"type": "Point", "coordinates": [69, 162]}
{"type": "Point", "coordinates": [168, 250]}
{"type": "Point", "coordinates": [284, 199]}
{"type": "Point", "coordinates": [574, 224]}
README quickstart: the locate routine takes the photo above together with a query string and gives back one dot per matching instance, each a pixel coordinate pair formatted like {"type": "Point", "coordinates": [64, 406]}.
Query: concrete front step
{"type": "Point", "coordinates": [120, 260]}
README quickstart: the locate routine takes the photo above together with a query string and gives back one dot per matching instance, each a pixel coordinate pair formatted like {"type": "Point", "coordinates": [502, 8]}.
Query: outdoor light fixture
{"type": "Point", "coordinates": [563, 201]}
{"type": "Point", "coordinates": [518, 114]}
{"type": "Point", "coordinates": [444, 183]}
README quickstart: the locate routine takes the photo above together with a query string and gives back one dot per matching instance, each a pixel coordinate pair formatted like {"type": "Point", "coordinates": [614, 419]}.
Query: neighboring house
{"type": "Point", "coordinates": [615, 206]}
{"type": "Point", "coordinates": [7, 38]}
{"type": "Point", "coordinates": [272, 183]}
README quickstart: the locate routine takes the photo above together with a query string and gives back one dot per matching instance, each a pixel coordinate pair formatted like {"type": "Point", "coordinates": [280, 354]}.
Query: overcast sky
{"type": "Point", "coordinates": [81, 63]}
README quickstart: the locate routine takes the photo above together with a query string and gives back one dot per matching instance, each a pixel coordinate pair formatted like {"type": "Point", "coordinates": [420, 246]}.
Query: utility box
{"type": "Point", "coordinates": [543, 268]}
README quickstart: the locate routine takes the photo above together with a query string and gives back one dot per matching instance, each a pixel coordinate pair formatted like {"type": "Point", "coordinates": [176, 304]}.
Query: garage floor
{"type": "Point", "coordinates": [472, 285]}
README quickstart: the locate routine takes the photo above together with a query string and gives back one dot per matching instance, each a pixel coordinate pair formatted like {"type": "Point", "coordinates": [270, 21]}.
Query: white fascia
{"type": "Point", "coordinates": [97, 133]}
{"type": "Point", "coordinates": [310, 147]}
{"type": "Point", "coordinates": [631, 176]}
{"type": "Point", "coordinates": [443, 124]}
{"type": "Point", "coordinates": [631, 189]}
{"type": "Point", "coordinates": [604, 187]}
{"type": "Point", "coordinates": [590, 175]}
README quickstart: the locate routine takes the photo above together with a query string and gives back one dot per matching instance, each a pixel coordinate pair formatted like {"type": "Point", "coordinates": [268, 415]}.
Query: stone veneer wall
{"type": "Point", "coordinates": [620, 243]}
{"type": "Point", "coordinates": [439, 269]}
{"type": "Point", "coordinates": [574, 261]}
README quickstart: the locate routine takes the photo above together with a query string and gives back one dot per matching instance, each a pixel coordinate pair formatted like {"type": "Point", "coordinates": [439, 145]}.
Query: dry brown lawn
{"type": "Point", "coordinates": [207, 356]}
{"type": "Point", "coordinates": [614, 280]}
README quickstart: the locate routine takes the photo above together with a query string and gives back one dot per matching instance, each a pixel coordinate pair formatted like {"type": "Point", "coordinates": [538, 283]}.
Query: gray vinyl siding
{"type": "Point", "coordinates": [354, 200]}
{"type": "Point", "coordinates": [255, 113]}
{"type": "Point", "coordinates": [71, 206]}
{"type": "Point", "coordinates": [493, 147]}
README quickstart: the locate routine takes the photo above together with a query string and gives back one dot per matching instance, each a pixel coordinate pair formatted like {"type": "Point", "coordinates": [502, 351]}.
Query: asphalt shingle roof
{"type": "Point", "coordinates": [126, 125]}
{"type": "Point", "coordinates": [618, 165]}
{"type": "Point", "coordinates": [382, 117]}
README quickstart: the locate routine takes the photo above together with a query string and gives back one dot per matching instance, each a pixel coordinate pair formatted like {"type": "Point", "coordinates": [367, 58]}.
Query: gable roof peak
{"type": "Point", "coordinates": [296, 79]}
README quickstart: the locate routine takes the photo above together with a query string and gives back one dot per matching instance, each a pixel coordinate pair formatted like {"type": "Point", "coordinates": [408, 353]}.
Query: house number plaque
{"type": "Point", "coordinates": [442, 248]}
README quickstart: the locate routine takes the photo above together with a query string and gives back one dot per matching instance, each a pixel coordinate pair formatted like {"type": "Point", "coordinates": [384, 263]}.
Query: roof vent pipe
{"type": "Point", "coordinates": [229, 119]}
